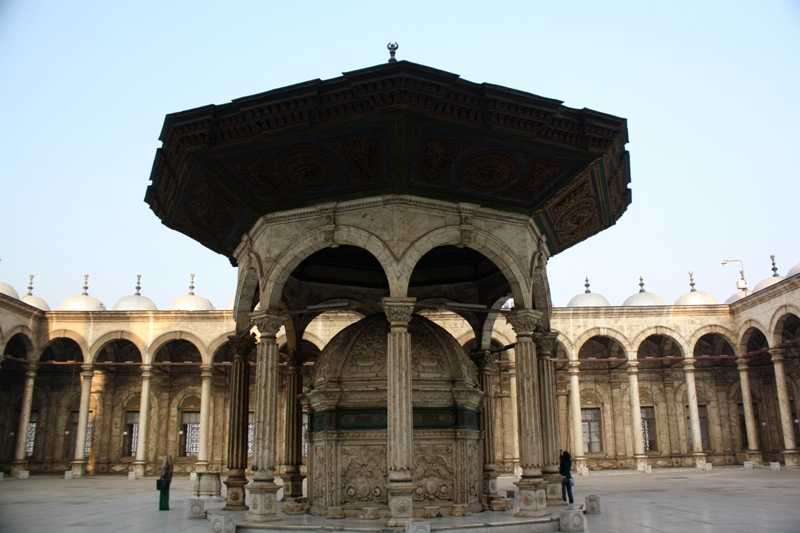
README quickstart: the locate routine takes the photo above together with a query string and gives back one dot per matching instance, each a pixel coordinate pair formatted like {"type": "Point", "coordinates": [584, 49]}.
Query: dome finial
{"type": "Point", "coordinates": [691, 281]}
{"type": "Point", "coordinates": [30, 285]}
{"type": "Point", "coordinates": [392, 49]}
{"type": "Point", "coordinates": [587, 285]}
{"type": "Point", "coordinates": [85, 285]}
{"type": "Point", "coordinates": [138, 284]}
{"type": "Point", "coordinates": [191, 286]}
{"type": "Point", "coordinates": [774, 268]}
{"type": "Point", "coordinates": [641, 284]}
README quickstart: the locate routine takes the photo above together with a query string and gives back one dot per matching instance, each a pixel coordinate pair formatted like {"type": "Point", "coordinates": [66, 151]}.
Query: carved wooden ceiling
{"type": "Point", "coordinates": [394, 128]}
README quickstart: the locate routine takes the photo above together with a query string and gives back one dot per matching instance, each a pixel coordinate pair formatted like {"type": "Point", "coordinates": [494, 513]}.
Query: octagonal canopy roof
{"type": "Point", "coordinates": [396, 128]}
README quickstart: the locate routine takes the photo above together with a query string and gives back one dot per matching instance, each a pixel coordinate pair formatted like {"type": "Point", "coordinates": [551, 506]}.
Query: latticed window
{"type": "Point", "coordinates": [590, 420]}
{"type": "Point", "coordinates": [304, 434]}
{"type": "Point", "coordinates": [73, 434]}
{"type": "Point", "coordinates": [190, 433]}
{"type": "Point", "coordinates": [250, 434]}
{"type": "Point", "coordinates": [130, 437]}
{"type": "Point", "coordinates": [29, 440]}
{"type": "Point", "coordinates": [703, 411]}
{"type": "Point", "coordinates": [649, 429]}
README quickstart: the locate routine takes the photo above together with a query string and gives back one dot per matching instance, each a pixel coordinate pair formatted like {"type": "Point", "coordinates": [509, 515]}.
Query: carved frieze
{"type": "Point", "coordinates": [364, 474]}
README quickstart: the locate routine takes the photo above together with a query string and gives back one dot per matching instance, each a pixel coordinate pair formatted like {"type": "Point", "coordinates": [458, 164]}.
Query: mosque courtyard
{"type": "Point", "coordinates": [668, 500]}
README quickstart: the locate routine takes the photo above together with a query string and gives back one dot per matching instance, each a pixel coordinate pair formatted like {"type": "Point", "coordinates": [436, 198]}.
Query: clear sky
{"type": "Point", "coordinates": [710, 91]}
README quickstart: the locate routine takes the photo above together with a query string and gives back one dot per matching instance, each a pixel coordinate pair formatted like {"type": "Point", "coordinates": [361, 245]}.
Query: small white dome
{"type": "Point", "coordinates": [738, 295]}
{"type": "Point", "coordinates": [8, 290]}
{"type": "Point", "coordinates": [191, 302]}
{"type": "Point", "coordinates": [135, 302]}
{"type": "Point", "coordinates": [588, 299]}
{"type": "Point", "coordinates": [229, 307]}
{"type": "Point", "coordinates": [795, 270]}
{"type": "Point", "coordinates": [82, 302]}
{"type": "Point", "coordinates": [764, 283]}
{"type": "Point", "coordinates": [643, 298]}
{"type": "Point", "coordinates": [34, 301]}
{"type": "Point", "coordinates": [695, 297]}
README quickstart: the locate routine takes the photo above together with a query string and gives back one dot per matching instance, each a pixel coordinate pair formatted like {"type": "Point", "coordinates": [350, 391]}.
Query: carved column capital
{"type": "Point", "coordinates": [633, 367]}
{"type": "Point", "coordinates": [545, 344]}
{"type": "Point", "coordinates": [267, 323]}
{"type": "Point", "coordinates": [742, 364]}
{"type": "Point", "coordinates": [398, 310]}
{"type": "Point", "coordinates": [241, 344]}
{"type": "Point", "coordinates": [484, 360]}
{"type": "Point", "coordinates": [524, 321]}
{"type": "Point", "coordinates": [777, 354]}
{"type": "Point", "coordinates": [31, 372]}
{"type": "Point", "coordinates": [688, 365]}
{"type": "Point", "coordinates": [87, 371]}
{"type": "Point", "coordinates": [147, 372]}
{"type": "Point", "coordinates": [206, 372]}
{"type": "Point", "coordinates": [574, 367]}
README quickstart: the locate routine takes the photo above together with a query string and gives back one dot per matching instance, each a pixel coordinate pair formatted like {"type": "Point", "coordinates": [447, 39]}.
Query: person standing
{"type": "Point", "coordinates": [566, 471]}
{"type": "Point", "coordinates": [164, 482]}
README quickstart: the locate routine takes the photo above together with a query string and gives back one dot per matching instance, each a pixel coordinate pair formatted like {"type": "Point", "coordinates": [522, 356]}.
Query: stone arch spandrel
{"type": "Point", "coordinates": [483, 242]}
{"type": "Point", "coordinates": [777, 320]}
{"type": "Point", "coordinates": [723, 332]}
{"type": "Point", "coordinates": [305, 245]}
{"type": "Point", "coordinates": [178, 335]}
{"type": "Point", "coordinates": [572, 353]}
{"type": "Point", "coordinates": [51, 336]}
{"type": "Point", "coordinates": [98, 345]}
{"type": "Point", "coordinates": [602, 331]}
{"type": "Point", "coordinates": [216, 344]}
{"type": "Point", "coordinates": [670, 333]}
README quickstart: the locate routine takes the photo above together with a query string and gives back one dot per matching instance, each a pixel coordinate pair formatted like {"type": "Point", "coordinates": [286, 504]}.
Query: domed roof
{"type": "Point", "coordinates": [229, 307]}
{"type": "Point", "coordinates": [135, 301]}
{"type": "Point", "coordinates": [8, 290]}
{"type": "Point", "coordinates": [775, 278]}
{"type": "Point", "coordinates": [588, 299]}
{"type": "Point", "coordinates": [738, 295]}
{"type": "Point", "coordinates": [358, 352]}
{"type": "Point", "coordinates": [643, 298]}
{"type": "Point", "coordinates": [695, 297]}
{"type": "Point", "coordinates": [191, 302]}
{"type": "Point", "coordinates": [34, 301]}
{"type": "Point", "coordinates": [82, 302]}
{"type": "Point", "coordinates": [795, 270]}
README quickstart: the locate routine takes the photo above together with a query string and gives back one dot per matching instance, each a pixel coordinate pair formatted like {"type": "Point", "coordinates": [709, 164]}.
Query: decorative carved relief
{"type": "Point", "coordinates": [309, 167]}
{"type": "Point", "coordinates": [433, 472]}
{"type": "Point", "coordinates": [367, 356]}
{"type": "Point", "coordinates": [364, 474]}
{"type": "Point", "coordinates": [488, 168]}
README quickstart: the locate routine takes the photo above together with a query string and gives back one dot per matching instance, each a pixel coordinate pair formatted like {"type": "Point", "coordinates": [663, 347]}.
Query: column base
{"type": "Point", "coordinates": [580, 464]}
{"type": "Point", "coordinates": [755, 457]}
{"type": "Point", "coordinates": [490, 487]}
{"type": "Point", "coordinates": [235, 495]}
{"type": "Point", "coordinates": [292, 486]}
{"type": "Point", "coordinates": [401, 503]}
{"type": "Point", "coordinates": [139, 468]}
{"type": "Point", "coordinates": [641, 462]}
{"type": "Point", "coordinates": [791, 458]}
{"type": "Point", "coordinates": [78, 468]}
{"type": "Point", "coordinates": [263, 501]}
{"type": "Point", "coordinates": [699, 460]}
{"type": "Point", "coordinates": [553, 489]}
{"type": "Point", "coordinates": [532, 497]}
{"type": "Point", "coordinates": [17, 467]}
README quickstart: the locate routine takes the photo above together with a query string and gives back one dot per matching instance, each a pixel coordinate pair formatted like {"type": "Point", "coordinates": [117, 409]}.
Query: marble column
{"type": "Point", "coordinates": [753, 453]}
{"type": "Point", "coordinates": [636, 416]}
{"type": "Point", "coordinates": [576, 421]}
{"type": "Point", "coordinates": [400, 428]}
{"type": "Point", "coordinates": [694, 413]}
{"type": "Point", "coordinates": [20, 463]}
{"type": "Point", "coordinates": [487, 373]}
{"type": "Point", "coordinates": [545, 346]}
{"type": "Point", "coordinates": [532, 487]}
{"type": "Point", "coordinates": [513, 416]}
{"type": "Point", "coordinates": [140, 462]}
{"type": "Point", "coordinates": [237, 422]}
{"type": "Point", "coordinates": [206, 373]}
{"type": "Point", "coordinates": [790, 453]}
{"type": "Point", "coordinates": [292, 477]}
{"type": "Point", "coordinates": [263, 489]}
{"type": "Point", "coordinates": [79, 464]}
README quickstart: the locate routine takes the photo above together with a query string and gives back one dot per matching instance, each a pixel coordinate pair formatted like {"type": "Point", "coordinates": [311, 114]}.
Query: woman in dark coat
{"type": "Point", "coordinates": [165, 480]}
{"type": "Point", "coordinates": [566, 471]}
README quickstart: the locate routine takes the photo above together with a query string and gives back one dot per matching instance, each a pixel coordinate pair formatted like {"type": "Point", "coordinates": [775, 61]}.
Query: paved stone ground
{"type": "Point", "coordinates": [669, 500]}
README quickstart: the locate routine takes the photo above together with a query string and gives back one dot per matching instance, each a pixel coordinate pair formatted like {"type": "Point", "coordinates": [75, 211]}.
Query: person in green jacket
{"type": "Point", "coordinates": [166, 478]}
{"type": "Point", "coordinates": [566, 471]}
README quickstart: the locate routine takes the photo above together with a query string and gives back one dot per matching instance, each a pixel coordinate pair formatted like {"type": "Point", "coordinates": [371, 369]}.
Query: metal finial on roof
{"type": "Point", "coordinates": [191, 286]}
{"type": "Point", "coordinates": [587, 285]}
{"type": "Point", "coordinates": [138, 284]}
{"type": "Point", "coordinates": [30, 285]}
{"type": "Point", "coordinates": [774, 268]}
{"type": "Point", "coordinates": [392, 49]}
{"type": "Point", "coordinates": [641, 285]}
{"type": "Point", "coordinates": [691, 281]}
{"type": "Point", "coordinates": [86, 285]}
